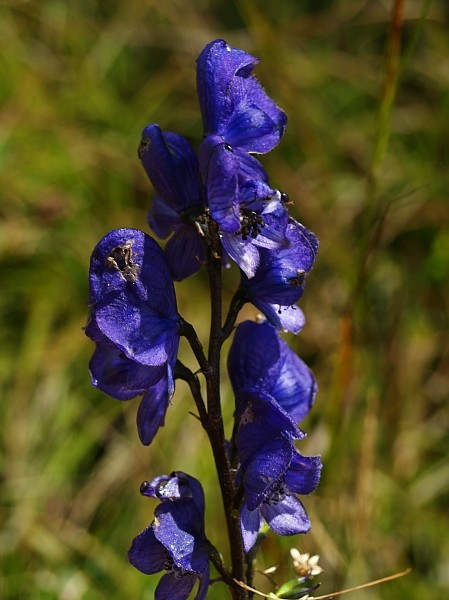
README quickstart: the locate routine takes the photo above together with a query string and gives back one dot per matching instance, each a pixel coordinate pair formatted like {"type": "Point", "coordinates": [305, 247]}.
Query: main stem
{"type": "Point", "coordinates": [215, 419]}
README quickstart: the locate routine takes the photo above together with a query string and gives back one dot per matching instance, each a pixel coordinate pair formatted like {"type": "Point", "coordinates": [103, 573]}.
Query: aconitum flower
{"type": "Point", "coordinates": [288, 473]}
{"type": "Point", "coordinates": [134, 323]}
{"type": "Point", "coordinates": [259, 359]}
{"type": "Point", "coordinates": [259, 229]}
{"type": "Point", "coordinates": [233, 103]}
{"type": "Point", "coordinates": [175, 541]}
{"type": "Point", "coordinates": [132, 297]}
{"type": "Point", "coordinates": [236, 184]}
{"type": "Point", "coordinates": [239, 119]}
{"type": "Point", "coordinates": [279, 279]}
{"type": "Point", "coordinates": [272, 471]}
{"type": "Point", "coordinates": [178, 485]}
{"type": "Point", "coordinates": [178, 207]}
{"type": "Point", "coordinates": [260, 420]}
{"type": "Point", "coordinates": [122, 378]}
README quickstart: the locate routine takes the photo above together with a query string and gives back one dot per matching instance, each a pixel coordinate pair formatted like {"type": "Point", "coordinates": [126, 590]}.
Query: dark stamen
{"type": "Point", "coordinates": [120, 259]}
{"type": "Point", "coordinates": [251, 224]}
{"type": "Point", "coordinates": [277, 495]}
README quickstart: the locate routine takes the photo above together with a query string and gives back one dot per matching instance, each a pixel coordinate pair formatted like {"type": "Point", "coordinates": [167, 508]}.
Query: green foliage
{"type": "Point", "coordinates": [79, 82]}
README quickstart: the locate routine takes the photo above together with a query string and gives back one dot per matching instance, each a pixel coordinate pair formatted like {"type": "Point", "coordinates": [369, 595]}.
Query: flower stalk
{"type": "Point", "coordinates": [216, 206]}
{"type": "Point", "coordinates": [215, 422]}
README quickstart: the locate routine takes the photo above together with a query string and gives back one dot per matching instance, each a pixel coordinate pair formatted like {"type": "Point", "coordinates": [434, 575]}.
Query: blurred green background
{"type": "Point", "coordinates": [79, 81]}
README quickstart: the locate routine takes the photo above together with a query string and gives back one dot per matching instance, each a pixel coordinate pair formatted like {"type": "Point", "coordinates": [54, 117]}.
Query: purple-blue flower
{"type": "Point", "coordinates": [132, 296]}
{"type": "Point", "coordinates": [175, 541]}
{"type": "Point", "coordinates": [279, 279]}
{"type": "Point", "coordinates": [233, 103]}
{"type": "Point", "coordinates": [178, 206]}
{"type": "Point", "coordinates": [122, 378]}
{"type": "Point", "coordinates": [271, 482]}
{"type": "Point", "coordinates": [134, 323]}
{"type": "Point", "coordinates": [178, 485]}
{"type": "Point", "coordinates": [260, 229]}
{"type": "Point", "coordinates": [235, 183]}
{"type": "Point", "coordinates": [239, 119]}
{"type": "Point", "coordinates": [260, 359]}
{"type": "Point", "coordinates": [260, 419]}
{"type": "Point", "coordinates": [172, 166]}
{"type": "Point", "coordinates": [272, 471]}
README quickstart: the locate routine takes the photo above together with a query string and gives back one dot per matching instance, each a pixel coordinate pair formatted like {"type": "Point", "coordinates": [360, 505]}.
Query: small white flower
{"type": "Point", "coordinates": [304, 564]}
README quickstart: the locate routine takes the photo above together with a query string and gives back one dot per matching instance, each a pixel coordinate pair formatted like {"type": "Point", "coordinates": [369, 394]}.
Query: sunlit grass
{"type": "Point", "coordinates": [79, 82]}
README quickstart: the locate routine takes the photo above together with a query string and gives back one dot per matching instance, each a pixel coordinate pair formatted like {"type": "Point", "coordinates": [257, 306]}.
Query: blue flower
{"type": "Point", "coordinates": [134, 323]}
{"type": "Point", "coordinates": [122, 378]}
{"type": "Point", "coordinates": [242, 202]}
{"type": "Point", "coordinates": [235, 182]}
{"type": "Point", "coordinates": [260, 359]}
{"type": "Point", "coordinates": [260, 420]}
{"type": "Point", "coordinates": [233, 103]}
{"type": "Point", "coordinates": [175, 541]}
{"type": "Point", "coordinates": [172, 166]}
{"type": "Point", "coordinates": [272, 471]}
{"type": "Point", "coordinates": [177, 485]}
{"type": "Point", "coordinates": [260, 230]}
{"type": "Point", "coordinates": [239, 119]}
{"type": "Point", "coordinates": [279, 279]}
{"type": "Point", "coordinates": [271, 482]}
{"type": "Point", "coordinates": [132, 297]}
{"type": "Point", "coordinates": [178, 207]}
